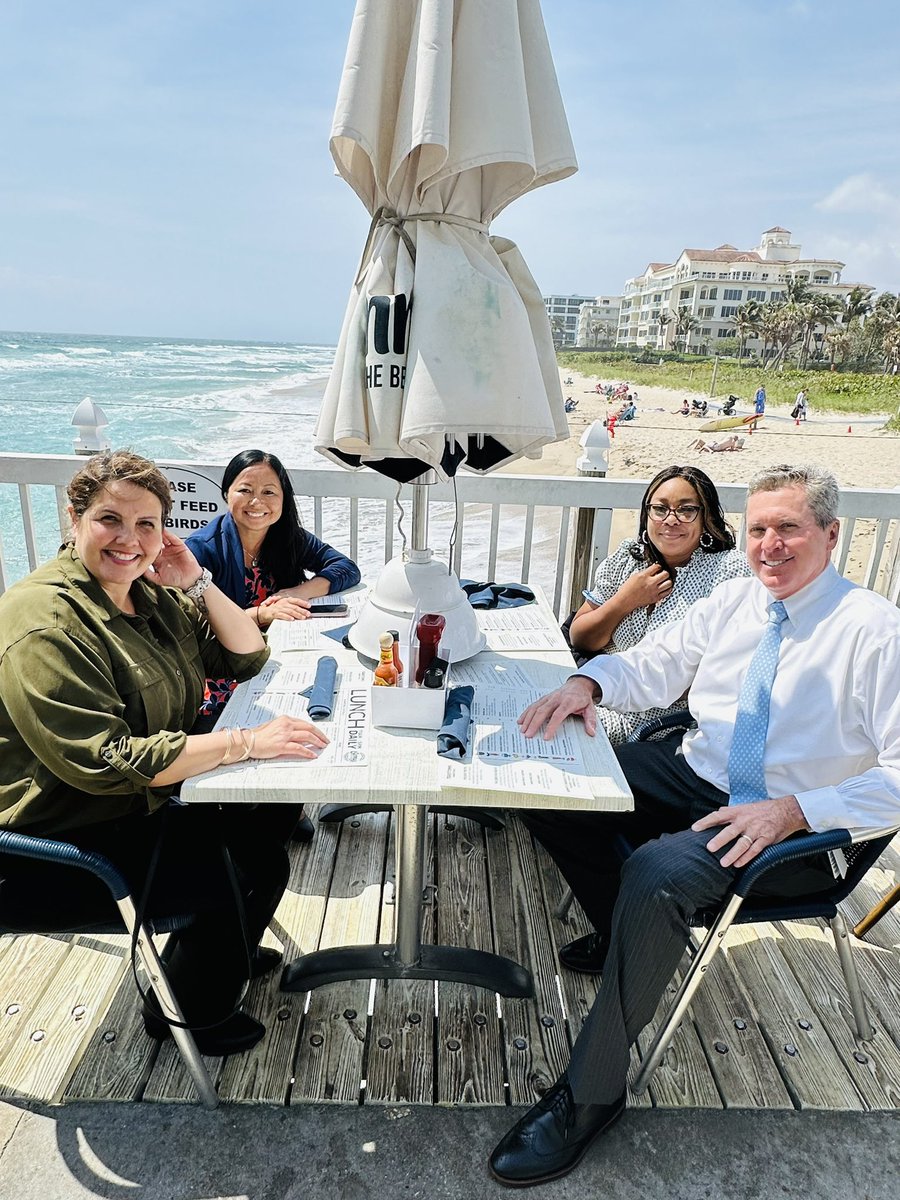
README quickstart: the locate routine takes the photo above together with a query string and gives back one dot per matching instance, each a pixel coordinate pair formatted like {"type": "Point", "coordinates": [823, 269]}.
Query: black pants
{"type": "Point", "coordinates": [209, 964]}
{"type": "Point", "coordinates": [644, 907]}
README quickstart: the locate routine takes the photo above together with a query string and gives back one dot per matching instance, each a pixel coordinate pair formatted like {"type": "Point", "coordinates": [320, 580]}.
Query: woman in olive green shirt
{"type": "Point", "coordinates": [103, 656]}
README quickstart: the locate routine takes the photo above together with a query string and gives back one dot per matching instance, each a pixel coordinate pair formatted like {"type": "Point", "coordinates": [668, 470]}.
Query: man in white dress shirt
{"type": "Point", "coordinates": [831, 761]}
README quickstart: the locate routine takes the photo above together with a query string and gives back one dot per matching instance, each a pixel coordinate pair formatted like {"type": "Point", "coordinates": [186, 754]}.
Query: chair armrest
{"type": "Point", "coordinates": [64, 854]}
{"type": "Point", "coordinates": [673, 720]}
{"type": "Point", "coordinates": [783, 852]}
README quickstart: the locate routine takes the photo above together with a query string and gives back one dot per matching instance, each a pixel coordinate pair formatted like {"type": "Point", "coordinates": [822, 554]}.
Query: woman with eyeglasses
{"type": "Point", "coordinates": [683, 549]}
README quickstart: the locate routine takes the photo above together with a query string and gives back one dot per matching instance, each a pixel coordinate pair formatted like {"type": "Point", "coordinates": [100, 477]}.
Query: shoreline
{"type": "Point", "coordinates": [866, 456]}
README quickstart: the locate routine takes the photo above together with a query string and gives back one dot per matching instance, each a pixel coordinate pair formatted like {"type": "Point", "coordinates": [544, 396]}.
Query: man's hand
{"type": "Point", "coordinates": [574, 698]}
{"type": "Point", "coordinates": [751, 827]}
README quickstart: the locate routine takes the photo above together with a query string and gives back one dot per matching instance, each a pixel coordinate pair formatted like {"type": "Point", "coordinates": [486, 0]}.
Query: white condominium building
{"type": "Point", "coordinates": [563, 313]}
{"type": "Point", "coordinates": [598, 322]}
{"type": "Point", "coordinates": [711, 284]}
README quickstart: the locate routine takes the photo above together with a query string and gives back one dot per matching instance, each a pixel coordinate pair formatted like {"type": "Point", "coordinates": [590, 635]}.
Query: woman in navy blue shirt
{"type": "Point", "coordinates": [263, 559]}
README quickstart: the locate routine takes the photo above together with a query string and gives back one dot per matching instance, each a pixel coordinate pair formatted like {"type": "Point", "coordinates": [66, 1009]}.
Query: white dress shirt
{"type": "Point", "coordinates": [834, 720]}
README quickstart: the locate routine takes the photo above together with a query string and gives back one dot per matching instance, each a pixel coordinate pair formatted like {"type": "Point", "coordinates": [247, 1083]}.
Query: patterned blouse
{"type": "Point", "coordinates": [218, 691]}
{"type": "Point", "coordinates": [696, 579]}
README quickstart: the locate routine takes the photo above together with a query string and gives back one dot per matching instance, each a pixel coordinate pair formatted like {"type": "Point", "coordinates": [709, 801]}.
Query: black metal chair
{"type": "Point", "coordinates": [860, 851]}
{"type": "Point", "coordinates": [72, 921]}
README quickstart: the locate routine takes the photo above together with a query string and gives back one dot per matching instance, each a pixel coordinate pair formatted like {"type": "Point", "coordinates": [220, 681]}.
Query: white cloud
{"type": "Point", "coordinates": [863, 193]}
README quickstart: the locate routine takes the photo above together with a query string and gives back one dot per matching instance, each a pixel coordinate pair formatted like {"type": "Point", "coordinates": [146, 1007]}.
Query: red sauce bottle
{"type": "Point", "coordinates": [428, 633]}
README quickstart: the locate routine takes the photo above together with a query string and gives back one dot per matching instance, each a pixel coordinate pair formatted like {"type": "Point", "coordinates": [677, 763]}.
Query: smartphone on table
{"type": "Point", "coordinates": [328, 610]}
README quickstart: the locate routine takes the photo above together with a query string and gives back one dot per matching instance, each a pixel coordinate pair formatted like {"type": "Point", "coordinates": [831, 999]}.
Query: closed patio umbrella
{"type": "Point", "coordinates": [447, 111]}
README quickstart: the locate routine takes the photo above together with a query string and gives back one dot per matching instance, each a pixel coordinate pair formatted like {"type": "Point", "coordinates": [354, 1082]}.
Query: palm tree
{"type": "Point", "coordinates": [746, 321]}
{"type": "Point", "coordinates": [663, 319]}
{"type": "Point", "coordinates": [857, 303]}
{"type": "Point", "coordinates": [838, 342]}
{"type": "Point", "coordinates": [819, 309]}
{"type": "Point", "coordinates": [884, 316]}
{"type": "Point", "coordinates": [602, 331]}
{"type": "Point", "coordinates": [685, 324]}
{"type": "Point", "coordinates": [891, 347]}
{"type": "Point", "coordinates": [558, 330]}
{"type": "Point", "coordinates": [783, 322]}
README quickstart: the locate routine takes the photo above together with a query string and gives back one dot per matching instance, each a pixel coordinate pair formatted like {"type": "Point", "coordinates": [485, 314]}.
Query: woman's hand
{"type": "Point", "coordinates": [287, 737]}
{"type": "Point", "coordinates": [279, 607]}
{"type": "Point", "coordinates": [175, 565]}
{"type": "Point", "coordinates": [646, 587]}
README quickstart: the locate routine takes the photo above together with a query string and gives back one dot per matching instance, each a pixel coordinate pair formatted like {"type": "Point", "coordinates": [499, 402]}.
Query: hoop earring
{"type": "Point", "coordinates": [706, 540]}
{"type": "Point", "coordinates": [644, 538]}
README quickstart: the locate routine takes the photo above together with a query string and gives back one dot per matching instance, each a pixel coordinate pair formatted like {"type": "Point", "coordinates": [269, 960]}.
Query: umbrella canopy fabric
{"type": "Point", "coordinates": [447, 111]}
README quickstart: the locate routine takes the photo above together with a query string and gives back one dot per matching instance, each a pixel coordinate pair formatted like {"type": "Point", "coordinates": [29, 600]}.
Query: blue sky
{"type": "Point", "coordinates": [164, 166]}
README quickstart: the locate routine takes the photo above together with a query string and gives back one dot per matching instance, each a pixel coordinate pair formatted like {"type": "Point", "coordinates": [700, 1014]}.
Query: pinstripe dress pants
{"type": "Point", "coordinates": [643, 908]}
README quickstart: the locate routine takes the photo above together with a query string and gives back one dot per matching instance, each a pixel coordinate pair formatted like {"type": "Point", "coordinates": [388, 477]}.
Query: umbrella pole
{"type": "Point", "coordinates": [418, 549]}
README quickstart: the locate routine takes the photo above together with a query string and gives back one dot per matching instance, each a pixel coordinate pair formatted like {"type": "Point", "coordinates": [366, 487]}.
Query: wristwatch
{"type": "Point", "coordinates": [198, 587]}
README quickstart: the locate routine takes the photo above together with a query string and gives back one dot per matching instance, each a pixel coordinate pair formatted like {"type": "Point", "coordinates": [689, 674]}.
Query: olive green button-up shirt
{"type": "Point", "coordinates": [94, 703]}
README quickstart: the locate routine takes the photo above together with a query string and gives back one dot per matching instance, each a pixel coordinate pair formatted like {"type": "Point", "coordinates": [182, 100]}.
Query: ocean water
{"type": "Point", "coordinates": [163, 397]}
{"type": "Point", "coordinates": [174, 398]}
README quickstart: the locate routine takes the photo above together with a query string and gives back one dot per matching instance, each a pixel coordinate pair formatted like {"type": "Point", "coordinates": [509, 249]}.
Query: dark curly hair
{"type": "Point", "coordinates": [711, 515]}
{"type": "Point", "coordinates": [283, 551]}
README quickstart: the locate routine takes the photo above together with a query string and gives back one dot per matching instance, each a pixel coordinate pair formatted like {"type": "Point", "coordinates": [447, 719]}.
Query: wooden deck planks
{"type": "Point", "coordinates": [331, 1050]}
{"type": "Point", "coordinates": [468, 1035]}
{"type": "Point", "coordinates": [494, 891]}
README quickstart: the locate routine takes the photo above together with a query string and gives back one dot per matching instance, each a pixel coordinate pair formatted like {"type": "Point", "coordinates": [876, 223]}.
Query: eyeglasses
{"type": "Point", "coordinates": [685, 513]}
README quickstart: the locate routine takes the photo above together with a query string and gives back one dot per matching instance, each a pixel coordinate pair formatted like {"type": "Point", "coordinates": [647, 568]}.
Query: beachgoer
{"type": "Point", "coordinates": [798, 412]}
{"type": "Point", "coordinates": [683, 549]}
{"type": "Point", "coordinates": [730, 443]}
{"type": "Point", "coordinates": [759, 401]}
{"type": "Point", "coordinates": [103, 654]}
{"type": "Point", "coordinates": [685, 410]}
{"type": "Point", "coordinates": [832, 760]}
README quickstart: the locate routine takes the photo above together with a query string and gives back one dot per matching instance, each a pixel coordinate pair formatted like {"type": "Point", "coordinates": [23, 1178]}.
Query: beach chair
{"type": "Point", "coordinates": [855, 852]}
{"type": "Point", "coordinates": [71, 920]}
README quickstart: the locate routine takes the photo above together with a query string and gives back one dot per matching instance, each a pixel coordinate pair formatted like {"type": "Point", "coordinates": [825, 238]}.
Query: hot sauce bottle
{"type": "Point", "coordinates": [386, 674]}
{"type": "Point", "coordinates": [395, 634]}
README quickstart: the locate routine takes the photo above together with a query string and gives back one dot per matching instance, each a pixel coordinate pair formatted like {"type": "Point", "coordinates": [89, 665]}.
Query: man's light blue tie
{"type": "Point", "coordinates": [746, 777]}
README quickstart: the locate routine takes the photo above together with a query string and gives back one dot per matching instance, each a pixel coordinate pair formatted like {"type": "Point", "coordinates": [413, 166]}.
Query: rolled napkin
{"type": "Point", "coordinates": [453, 736]}
{"type": "Point", "coordinates": [320, 693]}
{"type": "Point", "coordinates": [496, 595]}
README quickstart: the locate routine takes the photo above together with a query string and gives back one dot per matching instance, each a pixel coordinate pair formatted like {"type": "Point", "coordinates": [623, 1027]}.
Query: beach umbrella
{"type": "Point", "coordinates": [447, 111]}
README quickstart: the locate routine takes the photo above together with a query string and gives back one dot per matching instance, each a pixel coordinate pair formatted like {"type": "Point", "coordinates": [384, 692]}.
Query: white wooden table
{"type": "Point", "coordinates": [402, 768]}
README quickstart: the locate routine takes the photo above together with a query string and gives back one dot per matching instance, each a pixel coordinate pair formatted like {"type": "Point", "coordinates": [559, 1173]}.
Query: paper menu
{"type": "Point", "coordinates": [276, 691]}
{"type": "Point", "coordinates": [527, 627]}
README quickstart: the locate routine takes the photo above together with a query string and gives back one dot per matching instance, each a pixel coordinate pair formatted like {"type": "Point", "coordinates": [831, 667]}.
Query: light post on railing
{"type": "Point", "coordinates": [91, 422]}
{"type": "Point", "coordinates": [593, 463]}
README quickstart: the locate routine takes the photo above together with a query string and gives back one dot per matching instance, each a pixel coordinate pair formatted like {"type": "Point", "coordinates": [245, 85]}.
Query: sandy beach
{"type": "Point", "coordinates": [660, 436]}
{"type": "Point", "coordinates": [854, 447]}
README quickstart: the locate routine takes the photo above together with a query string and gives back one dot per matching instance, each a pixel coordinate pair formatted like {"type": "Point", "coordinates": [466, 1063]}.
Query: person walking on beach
{"type": "Point", "coordinates": [791, 675]}
{"type": "Point", "coordinates": [759, 402]}
{"type": "Point", "coordinates": [801, 405]}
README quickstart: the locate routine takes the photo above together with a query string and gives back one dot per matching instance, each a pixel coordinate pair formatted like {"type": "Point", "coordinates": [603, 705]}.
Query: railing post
{"type": "Point", "coordinates": [593, 463]}
{"type": "Point", "coordinates": [90, 420]}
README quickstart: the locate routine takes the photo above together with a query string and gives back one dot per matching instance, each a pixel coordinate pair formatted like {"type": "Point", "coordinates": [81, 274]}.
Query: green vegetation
{"type": "Point", "coordinates": [829, 391]}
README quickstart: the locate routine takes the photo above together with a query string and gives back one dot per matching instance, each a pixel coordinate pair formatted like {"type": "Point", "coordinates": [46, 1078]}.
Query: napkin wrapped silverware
{"type": "Point", "coordinates": [320, 693]}
{"type": "Point", "coordinates": [453, 736]}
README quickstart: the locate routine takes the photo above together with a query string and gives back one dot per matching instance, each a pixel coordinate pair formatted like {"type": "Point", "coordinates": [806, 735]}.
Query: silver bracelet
{"type": "Point", "coordinates": [198, 587]}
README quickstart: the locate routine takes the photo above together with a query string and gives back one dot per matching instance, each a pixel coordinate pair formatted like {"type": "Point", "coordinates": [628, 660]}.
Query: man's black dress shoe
{"type": "Point", "coordinates": [585, 954]}
{"type": "Point", "coordinates": [233, 1036]}
{"type": "Point", "coordinates": [551, 1138]}
{"type": "Point", "coordinates": [263, 961]}
{"type": "Point", "coordinates": [304, 830]}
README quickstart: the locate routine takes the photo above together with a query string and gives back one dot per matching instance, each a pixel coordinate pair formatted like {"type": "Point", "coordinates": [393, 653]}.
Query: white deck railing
{"type": "Point", "coordinates": [508, 527]}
